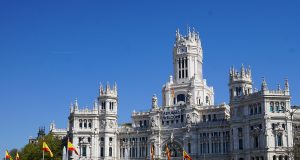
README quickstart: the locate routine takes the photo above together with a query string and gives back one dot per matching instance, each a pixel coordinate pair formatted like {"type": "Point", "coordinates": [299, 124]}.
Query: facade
{"type": "Point", "coordinates": [256, 125]}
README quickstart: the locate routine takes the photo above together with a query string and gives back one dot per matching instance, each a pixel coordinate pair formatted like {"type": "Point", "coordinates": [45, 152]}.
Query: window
{"type": "Point", "coordinates": [85, 123]}
{"type": "Point", "coordinates": [272, 107]}
{"type": "Point", "coordinates": [259, 108]}
{"type": "Point", "coordinates": [110, 139]}
{"type": "Point", "coordinates": [255, 109]}
{"type": "Point", "coordinates": [179, 74]}
{"type": "Point", "coordinates": [256, 142]}
{"type": "Point", "coordinates": [145, 123]}
{"type": "Point", "coordinates": [102, 152]}
{"type": "Point", "coordinates": [241, 147]}
{"type": "Point", "coordinates": [186, 62]}
{"type": "Point", "coordinates": [277, 106]}
{"type": "Point", "coordinates": [283, 126]}
{"type": "Point", "coordinates": [207, 100]}
{"type": "Point", "coordinates": [240, 132]}
{"type": "Point", "coordinates": [80, 123]}
{"type": "Point", "coordinates": [110, 151]}
{"type": "Point", "coordinates": [102, 139]}
{"type": "Point", "coordinates": [204, 118]}
{"type": "Point", "coordinates": [84, 150]}
{"type": "Point", "coordinates": [186, 73]}
{"type": "Point", "coordinates": [103, 106]}
{"type": "Point", "coordinates": [282, 106]}
{"type": "Point", "coordinates": [251, 110]}
{"type": "Point", "coordinates": [215, 117]}
{"type": "Point", "coordinates": [279, 140]}
{"type": "Point", "coordinates": [141, 123]}
{"type": "Point", "coordinates": [179, 64]}
{"type": "Point", "coordinates": [189, 147]}
{"type": "Point", "coordinates": [89, 139]}
{"type": "Point", "coordinates": [90, 123]}
{"type": "Point", "coordinates": [181, 97]}
{"type": "Point", "coordinates": [209, 117]}
{"type": "Point", "coordinates": [182, 73]}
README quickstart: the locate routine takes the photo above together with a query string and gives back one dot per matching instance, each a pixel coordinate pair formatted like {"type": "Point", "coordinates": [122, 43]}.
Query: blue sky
{"type": "Point", "coordinates": [52, 52]}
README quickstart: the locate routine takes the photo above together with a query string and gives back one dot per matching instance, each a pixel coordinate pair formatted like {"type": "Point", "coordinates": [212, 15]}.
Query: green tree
{"type": "Point", "coordinates": [34, 151]}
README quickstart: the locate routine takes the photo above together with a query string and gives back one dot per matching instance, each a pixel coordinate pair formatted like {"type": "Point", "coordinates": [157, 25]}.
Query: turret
{"type": "Point", "coordinates": [240, 83]}
{"type": "Point", "coordinates": [187, 57]}
{"type": "Point", "coordinates": [108, 98]}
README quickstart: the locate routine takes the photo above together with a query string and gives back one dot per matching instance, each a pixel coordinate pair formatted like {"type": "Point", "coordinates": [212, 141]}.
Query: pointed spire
{"type": "Point", "coordinates": [286, 85]}
{"type": "Point", "coordinates": [52, 126]}
{"type": "Point", "coordinates": [243, 70]}
{"type": "Point", "coordinates": [278, 87]}
{"type": "Point", "coordinates": [177, 34]}
{"type": "Point", "coordinates": [115, 87]}
{"type": "Point", "coordinates": [101, 89]}
{"type": "Point", "coordinates": [71, 108]}
{"type": "Point", "coordinates": [76, 105]}
{"type": "Point", "coordinates": [95, 105]}
{"type": "Point", "coordinates": [171, 79]}
{"type": "Point", "coordinates": [107, 88]}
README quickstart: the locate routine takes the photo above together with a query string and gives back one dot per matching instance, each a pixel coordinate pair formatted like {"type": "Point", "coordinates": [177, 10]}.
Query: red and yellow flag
{"type": "Point", "coordinates": [47, 149]}
{"type": "Point", "coordinates": [186, 156]}
{"type": "Point", "coordinates": [168, 152]}
{"type": "Point", "coordinates": [152, 152]}
{"type": "Point", "coordinates": [17, 156]}
{"type": "Point", "coordinates": [7, 156]}
{"type": "Point", "coordinates": [72, 148]}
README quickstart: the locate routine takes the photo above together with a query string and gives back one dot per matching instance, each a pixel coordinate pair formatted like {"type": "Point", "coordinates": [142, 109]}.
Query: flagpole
{"type": "Point", "coordinates": [43, 154]}
{"type": "Point", "coordinates": [67, 150]}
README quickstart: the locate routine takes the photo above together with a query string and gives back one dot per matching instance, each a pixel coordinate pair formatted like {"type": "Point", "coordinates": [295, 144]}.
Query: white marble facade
{"type": "Point", "coordinates": [256, 125]}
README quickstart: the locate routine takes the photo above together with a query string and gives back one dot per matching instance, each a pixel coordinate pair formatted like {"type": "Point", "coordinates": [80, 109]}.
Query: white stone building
{"type": "Point", "coordinates": [256, 125]}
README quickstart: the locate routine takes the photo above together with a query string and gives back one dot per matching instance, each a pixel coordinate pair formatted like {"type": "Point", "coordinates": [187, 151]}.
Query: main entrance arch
{"type": "Point", "coordinates": [175, 148]}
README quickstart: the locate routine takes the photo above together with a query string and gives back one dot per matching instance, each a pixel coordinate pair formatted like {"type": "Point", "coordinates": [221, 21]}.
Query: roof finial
{"type": "Point", "coordinates": [264, 84]}
{"type": "Point", "coordinates": [101, 89]}
{"type": "Point", "coordinates": [76, 104]}
{"type": "Point", "coordinates": [287, 86]}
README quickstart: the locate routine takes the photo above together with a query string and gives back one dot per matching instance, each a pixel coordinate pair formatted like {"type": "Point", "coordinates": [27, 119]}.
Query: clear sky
{"type": "Point", "coordinates": [52, 52]}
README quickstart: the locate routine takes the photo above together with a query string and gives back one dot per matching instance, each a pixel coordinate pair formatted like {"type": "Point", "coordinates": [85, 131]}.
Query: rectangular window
{"type": "Point", "coordinates": [186, 62]}
{"type": "Point", "coordinates": [209, 117]}
{"type": "Point", "coordinates": [256, 142]}
{"type": "Point", "coordinates": [241, 144]}
{"type": "Point", "coordinates": [189, 148]}
{"type": "Point", "coordinates": [84, 151]}
{"type": "Point", "coordinates": [204, 118]}
{"type": "Point", "coordinates": [186, 73]}
{"type": "Point", "coordinates": [110, 151]}
{"type": "Point", "coordinates": [179, 74]}
{"type": "Point", "coordinates": [182, 73]}
{"type": "Point", "coordinates": [102, 152]}
{"type": "Point", "coordinates": [279, 140]}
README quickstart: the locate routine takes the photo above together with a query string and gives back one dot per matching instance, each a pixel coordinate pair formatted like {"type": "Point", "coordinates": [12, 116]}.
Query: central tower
{"type": "Point", "coordinates": [187, 57]}
{"type": "Point", "coordinates": [187, 85]}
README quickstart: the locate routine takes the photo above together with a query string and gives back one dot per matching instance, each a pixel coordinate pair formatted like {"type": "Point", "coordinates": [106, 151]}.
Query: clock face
{"type": "Point", "coordinates": [182, 50]}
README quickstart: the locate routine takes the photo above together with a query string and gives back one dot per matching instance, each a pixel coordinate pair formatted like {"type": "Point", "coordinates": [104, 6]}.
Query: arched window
{"type": "Point", "coordinates": [180, 98]}
{"type": "Point", "coordinates": [110, 151]}
{"type": "Point", "coordinates": [90, 123]}
{"type": "Point", "coordinates": [85, 123]}
{"type": "Point", "coordinates": [277, 106]}
{"type": "Point", "coordinates": [282, 106]}
{"type": "Point", "coordinates": [274, 157]}
{"type": "Point", "coordinates": [271, 106]}
{"type": "Point", "coordinates": [207, 100]}
{"type": "Point", "coordinates": [80, 123]}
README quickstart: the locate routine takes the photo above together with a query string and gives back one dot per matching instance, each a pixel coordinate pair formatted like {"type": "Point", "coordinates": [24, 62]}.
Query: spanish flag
{"type": "Point", "coordinates": [72, 148]}
{"type": "Point", "coordinates": [7, 156]}
{"type": "Point", "coordinates": [186, 156]}
{"type": "Point", "coordinates": [47, 149]}
{"type": "Point", "coordinates": [168, 152]}
{"type": "Point", "coordinates": [17, 156]}
{"type": "Point", "coordinates": [152, 152]}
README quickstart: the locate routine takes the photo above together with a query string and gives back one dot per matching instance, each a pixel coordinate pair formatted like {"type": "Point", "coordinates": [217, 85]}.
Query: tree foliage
{"type": "Point", "coordinates": [34, 151]}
